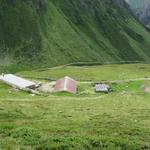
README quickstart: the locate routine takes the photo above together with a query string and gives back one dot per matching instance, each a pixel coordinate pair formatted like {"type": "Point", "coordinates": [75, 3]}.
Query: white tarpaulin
{"type": "Point", "coordinates": [16, 81]}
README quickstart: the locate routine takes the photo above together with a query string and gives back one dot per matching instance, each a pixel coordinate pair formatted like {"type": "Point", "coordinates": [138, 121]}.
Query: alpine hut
{"type": "Point", "coordinates": [66, 84]}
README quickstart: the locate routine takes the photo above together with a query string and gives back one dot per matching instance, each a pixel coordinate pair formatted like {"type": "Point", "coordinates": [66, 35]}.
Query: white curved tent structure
{"type": "Point", "coordinates": [17, 82]}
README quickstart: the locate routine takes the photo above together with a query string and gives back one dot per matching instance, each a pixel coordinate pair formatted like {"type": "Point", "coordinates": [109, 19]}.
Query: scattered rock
{"type": "Point", "coordinates": [147, 89]}
{"type": "Point", "coordinates": [32, 94]}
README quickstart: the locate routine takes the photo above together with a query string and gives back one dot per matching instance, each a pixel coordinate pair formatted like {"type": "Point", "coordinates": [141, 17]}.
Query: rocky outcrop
{"type": "Point", "coordinates": [141, 9]}
{"type": "Point", "coordinates": [144, 15]}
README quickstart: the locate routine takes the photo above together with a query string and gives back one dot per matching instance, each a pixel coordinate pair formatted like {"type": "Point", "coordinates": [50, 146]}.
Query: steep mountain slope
{"type": "Point", "coordinates": [54, 32]}
{"type": "Point", "coordinates": [141, 8]}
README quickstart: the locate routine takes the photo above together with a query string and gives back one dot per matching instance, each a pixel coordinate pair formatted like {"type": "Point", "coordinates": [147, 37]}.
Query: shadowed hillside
{"type": "Point", "coordinates": [54, 32]}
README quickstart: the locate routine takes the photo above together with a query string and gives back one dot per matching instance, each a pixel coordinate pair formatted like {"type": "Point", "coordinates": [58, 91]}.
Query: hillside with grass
{"type": "Point", "coordinates": [49, 33]}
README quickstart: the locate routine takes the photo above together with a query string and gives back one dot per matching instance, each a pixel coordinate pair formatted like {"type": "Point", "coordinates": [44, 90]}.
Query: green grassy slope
{"type": "Point", "coordinates": [49, 33]}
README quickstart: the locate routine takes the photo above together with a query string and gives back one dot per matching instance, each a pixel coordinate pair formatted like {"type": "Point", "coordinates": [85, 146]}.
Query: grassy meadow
{"type": "Point", "coordinates": [92, 73]}
{"type": "Point", "coordinates": [119, 120]}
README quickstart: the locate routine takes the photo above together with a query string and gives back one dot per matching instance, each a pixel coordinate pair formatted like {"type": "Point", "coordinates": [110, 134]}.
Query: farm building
{"type": "Point", "coordinates": [17, 82]}
{"type": "Point", "coordinates": [102, 88]}
{"type": "Point", "coordinates": [66, 84]}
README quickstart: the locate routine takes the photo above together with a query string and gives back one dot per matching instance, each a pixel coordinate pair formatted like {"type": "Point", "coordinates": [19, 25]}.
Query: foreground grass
{"type": "Point", "coordinates": [119, 120]}
{"type": "Point", "coordinates": [115, 121]}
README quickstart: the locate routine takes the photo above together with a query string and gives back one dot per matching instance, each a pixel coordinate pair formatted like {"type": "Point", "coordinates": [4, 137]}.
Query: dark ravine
{"type": "Point", "coordinates": [45, 33]}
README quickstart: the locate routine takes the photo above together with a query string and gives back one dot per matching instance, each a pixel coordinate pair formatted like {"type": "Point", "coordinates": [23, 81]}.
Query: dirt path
{"type": "Point", "coordinates": [121, 81]}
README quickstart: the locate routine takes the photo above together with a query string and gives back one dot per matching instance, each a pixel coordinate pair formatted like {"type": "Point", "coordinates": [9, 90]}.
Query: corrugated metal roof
{"type": "Point", "coordinates": [66, 84]}
{"type": "Point", "coordinates": [102, 87]}
{"type": "Point", "coordinates": [16, 81]}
